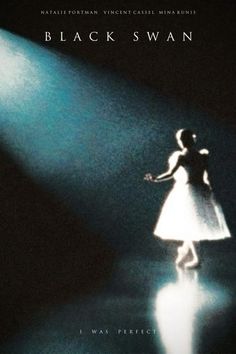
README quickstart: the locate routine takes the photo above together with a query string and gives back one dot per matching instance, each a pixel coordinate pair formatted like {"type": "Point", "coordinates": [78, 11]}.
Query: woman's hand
{"type": "Point", "coordinates": [149, 177]}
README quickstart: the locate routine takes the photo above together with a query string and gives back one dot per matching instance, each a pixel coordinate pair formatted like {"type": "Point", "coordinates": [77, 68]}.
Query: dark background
{"type": "Point", "coordinates": [49, 252]}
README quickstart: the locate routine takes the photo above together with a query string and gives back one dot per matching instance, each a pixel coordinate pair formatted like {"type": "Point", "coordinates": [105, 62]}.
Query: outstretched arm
{"type": "Point", "coordinates": [164, 176]}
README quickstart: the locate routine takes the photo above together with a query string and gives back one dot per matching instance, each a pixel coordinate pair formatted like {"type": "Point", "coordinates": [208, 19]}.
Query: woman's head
{"type": "Point", "coordinates": [185, 138]}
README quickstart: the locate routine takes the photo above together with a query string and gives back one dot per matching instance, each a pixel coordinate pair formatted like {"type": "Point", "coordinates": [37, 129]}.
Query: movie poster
{"type": "Point", "coordinates": [95, 258]}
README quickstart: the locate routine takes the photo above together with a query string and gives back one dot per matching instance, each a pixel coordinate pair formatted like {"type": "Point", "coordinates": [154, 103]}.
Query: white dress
{"type": "Point", "coordinates": [191, 211]}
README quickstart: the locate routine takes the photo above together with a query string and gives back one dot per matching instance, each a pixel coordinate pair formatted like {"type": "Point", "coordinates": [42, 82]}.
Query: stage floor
{"type": "Point", "coordinates": [147, 306]}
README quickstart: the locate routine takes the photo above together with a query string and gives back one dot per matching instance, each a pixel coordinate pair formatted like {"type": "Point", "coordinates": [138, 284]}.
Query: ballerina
{"type": "Point", "coordinates": [190, 212]}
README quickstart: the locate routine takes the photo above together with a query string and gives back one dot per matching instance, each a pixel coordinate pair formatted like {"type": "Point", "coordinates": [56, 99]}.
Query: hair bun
{"type": "Point", "coordinates": [187, 137]}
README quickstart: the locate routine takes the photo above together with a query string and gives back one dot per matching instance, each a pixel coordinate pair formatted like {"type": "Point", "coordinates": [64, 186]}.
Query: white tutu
{"type": "Point", "coordinates": [191, 212]}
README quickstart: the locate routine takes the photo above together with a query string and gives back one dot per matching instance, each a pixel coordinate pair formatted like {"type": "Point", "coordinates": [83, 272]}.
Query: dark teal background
{"type": "Point", "coordinates": [80, 125]}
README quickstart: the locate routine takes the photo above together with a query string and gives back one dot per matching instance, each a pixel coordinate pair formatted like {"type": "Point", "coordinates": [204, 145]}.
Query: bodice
{"type": "Point", "coordinates": [193, 165]}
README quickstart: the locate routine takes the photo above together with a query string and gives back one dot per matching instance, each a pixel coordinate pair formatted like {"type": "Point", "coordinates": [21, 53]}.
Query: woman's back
{"type": "Point", "coordinates": [195, 164]}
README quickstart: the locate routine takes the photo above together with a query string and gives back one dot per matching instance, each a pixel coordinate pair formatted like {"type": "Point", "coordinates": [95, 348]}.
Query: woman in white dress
{"type": "Point", "coordinates": [190, 212]}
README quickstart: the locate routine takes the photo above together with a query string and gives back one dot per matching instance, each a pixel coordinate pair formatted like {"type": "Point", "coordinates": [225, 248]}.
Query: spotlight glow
{"type": "Point", "coordinates": [60, 116]}
{"type": "Point", "coordinates": [17, 71]}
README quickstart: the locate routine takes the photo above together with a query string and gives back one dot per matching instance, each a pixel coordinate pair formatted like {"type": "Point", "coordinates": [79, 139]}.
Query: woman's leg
{"type": "Point", "coordinates": [195, 261]}
{"type": "Point", "coordinates": [182, 252]}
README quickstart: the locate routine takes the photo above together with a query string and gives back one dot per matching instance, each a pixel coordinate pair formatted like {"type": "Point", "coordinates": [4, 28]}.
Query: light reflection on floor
{"type": "Point", "coordinates": [179, 306]}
